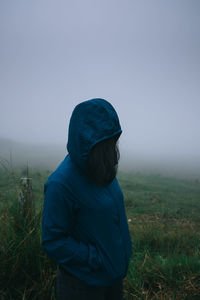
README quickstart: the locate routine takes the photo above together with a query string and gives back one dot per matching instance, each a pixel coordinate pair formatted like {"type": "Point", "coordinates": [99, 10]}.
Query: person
{"type": "Point", "coordinates": [84, 223]}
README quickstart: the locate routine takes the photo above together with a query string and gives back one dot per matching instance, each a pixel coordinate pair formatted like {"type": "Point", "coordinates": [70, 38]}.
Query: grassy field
{"type": "Point", "coordinates": [164, 220]}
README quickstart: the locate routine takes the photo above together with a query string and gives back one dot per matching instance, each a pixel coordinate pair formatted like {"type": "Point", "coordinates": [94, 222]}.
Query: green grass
{"type": "Point", "coordinates": [164, 221]}
{"type": "Point", "coordinates": [164, 215]}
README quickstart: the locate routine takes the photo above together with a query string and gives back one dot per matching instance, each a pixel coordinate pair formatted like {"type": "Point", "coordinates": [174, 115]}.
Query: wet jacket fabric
{"type": "Point", "coordinates": [84, 225]}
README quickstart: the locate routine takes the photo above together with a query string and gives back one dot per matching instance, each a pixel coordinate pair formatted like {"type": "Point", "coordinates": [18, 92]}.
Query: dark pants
{"type": "Point", "coordinates": [71, 288]}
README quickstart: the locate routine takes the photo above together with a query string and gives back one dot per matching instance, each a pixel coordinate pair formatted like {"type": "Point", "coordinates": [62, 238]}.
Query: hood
{"type": "Point", "coordinates": [91, 122]}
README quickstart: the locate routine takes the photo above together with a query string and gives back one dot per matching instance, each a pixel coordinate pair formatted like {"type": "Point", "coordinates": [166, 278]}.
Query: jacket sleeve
{"type": "Point", "coordinates": [57, 223]}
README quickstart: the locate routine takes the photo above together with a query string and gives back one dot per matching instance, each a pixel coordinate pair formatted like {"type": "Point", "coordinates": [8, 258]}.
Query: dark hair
{"type": "Point", "coordinates": [102, 163]}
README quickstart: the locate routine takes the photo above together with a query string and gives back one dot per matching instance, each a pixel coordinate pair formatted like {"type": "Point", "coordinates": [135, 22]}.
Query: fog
{"type": "Point", "coordinates": [142, 56]}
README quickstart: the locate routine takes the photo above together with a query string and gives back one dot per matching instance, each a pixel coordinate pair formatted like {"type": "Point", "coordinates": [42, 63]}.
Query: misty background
{"type": "Point", "coordinates": [141, 55]}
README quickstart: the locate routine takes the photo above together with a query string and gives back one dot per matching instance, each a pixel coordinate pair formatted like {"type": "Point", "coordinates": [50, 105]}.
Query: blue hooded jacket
{"type": "Point", "coordinates": [84, 225]}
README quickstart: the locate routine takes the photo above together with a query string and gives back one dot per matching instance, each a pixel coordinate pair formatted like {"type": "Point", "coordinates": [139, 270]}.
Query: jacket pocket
{"type": "Point", "coordinates": [94, 259]}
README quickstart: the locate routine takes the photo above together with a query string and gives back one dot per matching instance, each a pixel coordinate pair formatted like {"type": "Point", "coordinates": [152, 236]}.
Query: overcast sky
{"type": "Point", "coordinates": [143, 56]}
